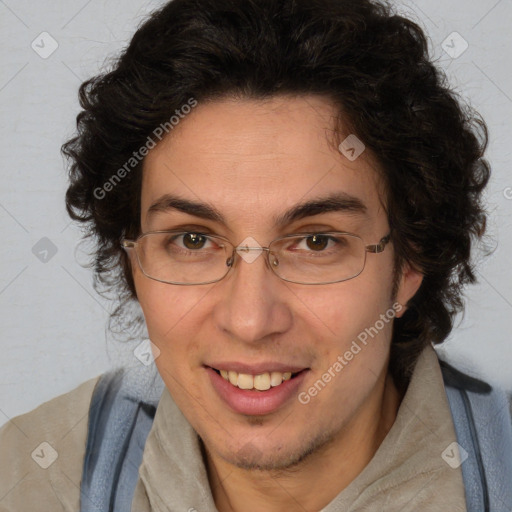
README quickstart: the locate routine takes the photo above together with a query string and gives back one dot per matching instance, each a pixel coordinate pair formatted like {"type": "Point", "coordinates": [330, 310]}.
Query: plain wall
{"type": "Point", "coordinates": [52, 323]}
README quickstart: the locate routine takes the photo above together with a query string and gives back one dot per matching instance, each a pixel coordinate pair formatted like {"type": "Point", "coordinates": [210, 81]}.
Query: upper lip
{"type": "Point", "coordinates": [255, 368]}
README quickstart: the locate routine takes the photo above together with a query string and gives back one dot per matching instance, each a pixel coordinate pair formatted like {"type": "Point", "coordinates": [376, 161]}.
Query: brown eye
{"type": "Point", "coordinates": [317, 242]}
{"type": "Point", "coordinates": [193, 241]}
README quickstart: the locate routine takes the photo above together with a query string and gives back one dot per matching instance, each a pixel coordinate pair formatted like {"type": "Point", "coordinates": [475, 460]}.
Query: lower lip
{"type": "Point", "coordinates": [252, 402]}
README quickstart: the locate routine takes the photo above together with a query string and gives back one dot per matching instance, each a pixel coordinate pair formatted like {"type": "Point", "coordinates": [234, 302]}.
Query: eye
{"type": "Point", "coordinates": [316, 242]}
{"type": "Point", "coordinates": [191, 241]}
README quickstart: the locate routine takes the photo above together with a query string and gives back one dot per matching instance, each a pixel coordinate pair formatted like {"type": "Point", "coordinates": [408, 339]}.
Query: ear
{"type": "Point", "coordinates": [409, 283]}
{"type": "Point", "coordinates": [130, 268]}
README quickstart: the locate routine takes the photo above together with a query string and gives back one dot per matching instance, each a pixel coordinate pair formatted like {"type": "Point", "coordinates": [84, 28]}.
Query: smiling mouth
{"type": "Point", "coordinates": [260, 382]}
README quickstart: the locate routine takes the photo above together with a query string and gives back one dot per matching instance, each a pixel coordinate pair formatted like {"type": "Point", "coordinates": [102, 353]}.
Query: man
{"type": "Point", "coordinates": [291, 194]}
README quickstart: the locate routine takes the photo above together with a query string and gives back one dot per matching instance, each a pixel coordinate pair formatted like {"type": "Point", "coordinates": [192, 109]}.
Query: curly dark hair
{"type": "Point", "coordinates": [371, 63]}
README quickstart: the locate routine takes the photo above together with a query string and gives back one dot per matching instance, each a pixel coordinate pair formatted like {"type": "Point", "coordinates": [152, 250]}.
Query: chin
{"type": "Point", "coordinates": [263, 454]}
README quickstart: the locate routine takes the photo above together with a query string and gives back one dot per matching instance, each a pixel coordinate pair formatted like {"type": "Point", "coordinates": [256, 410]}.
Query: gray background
{"type": "Point", "coordinates": [53, 333]}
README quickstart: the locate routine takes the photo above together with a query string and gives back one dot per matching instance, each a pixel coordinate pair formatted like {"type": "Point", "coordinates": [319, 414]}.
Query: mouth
{"type": "Point", "coordinates": [260, 382]}
{"type": "Point", "coordinates": [259, 393]}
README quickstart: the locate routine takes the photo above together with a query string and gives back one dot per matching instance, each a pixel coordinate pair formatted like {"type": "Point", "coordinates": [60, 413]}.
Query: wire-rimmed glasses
{"type": "Point", "coordinates": [195, 258]}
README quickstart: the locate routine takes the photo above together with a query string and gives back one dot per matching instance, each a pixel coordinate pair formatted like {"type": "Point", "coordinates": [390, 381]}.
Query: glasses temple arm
{"type": "Point", "coordinates": [128, 244]}
{"type": "Point", "coordinates": [376, 248]}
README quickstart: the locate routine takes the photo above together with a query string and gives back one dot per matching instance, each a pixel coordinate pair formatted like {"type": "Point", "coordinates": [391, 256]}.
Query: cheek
{"type": "Point", "coordinates": [342, 311]}
{"type": "Point", "coordinates": [351, 343]}
{"type": "Point", "coordinates": [172, 316]}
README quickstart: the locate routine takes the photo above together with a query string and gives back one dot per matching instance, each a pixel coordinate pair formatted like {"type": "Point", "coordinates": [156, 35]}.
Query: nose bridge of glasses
{"type": "Point", "coordinates": [249, 250]}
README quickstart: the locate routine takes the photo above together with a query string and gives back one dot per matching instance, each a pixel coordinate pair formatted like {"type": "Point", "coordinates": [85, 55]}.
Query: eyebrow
{"type": "Point", "coordinates": [338, 202]}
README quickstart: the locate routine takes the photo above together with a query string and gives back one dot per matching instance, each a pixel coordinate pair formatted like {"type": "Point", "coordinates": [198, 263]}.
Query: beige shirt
{"type": "Point", "coordinates": [30, 443]}
{"type": "Point", "coordinates": [407, 473]}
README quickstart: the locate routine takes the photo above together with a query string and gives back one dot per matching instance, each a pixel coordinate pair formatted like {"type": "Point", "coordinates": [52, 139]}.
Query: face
{"type": "Point", "coordinates": [251, 162]}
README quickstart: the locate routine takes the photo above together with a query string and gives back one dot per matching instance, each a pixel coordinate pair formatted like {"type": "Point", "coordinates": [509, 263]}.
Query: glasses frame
{"type": "Point", "coordinates": [129, 244]}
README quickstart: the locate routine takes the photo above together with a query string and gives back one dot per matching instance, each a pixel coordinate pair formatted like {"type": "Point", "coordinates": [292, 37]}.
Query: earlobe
{"type": "Point", "coordinates": [410, 282]}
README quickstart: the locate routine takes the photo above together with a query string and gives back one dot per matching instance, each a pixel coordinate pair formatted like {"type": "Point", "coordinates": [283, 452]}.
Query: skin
{"type": "Point", "coordinates": [252, 160]}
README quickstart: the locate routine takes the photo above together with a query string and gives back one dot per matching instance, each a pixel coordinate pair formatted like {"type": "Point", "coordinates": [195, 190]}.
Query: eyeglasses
{"type": "Point", "coordinates": [193, 258]}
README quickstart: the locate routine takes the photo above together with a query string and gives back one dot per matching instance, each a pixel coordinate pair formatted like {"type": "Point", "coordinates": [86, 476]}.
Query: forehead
{"type": "Point", "coordinates": [257, 158]}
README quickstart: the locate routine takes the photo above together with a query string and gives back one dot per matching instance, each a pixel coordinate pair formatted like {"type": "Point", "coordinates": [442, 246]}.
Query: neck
{"type": "Point", "coordinates": [328, 471]}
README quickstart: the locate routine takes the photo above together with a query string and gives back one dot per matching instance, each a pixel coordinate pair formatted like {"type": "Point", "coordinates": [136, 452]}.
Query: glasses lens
{"type": "Point", "coordinates": [318, 258]}
{"type": "Point", "coordinates": [183, 257]}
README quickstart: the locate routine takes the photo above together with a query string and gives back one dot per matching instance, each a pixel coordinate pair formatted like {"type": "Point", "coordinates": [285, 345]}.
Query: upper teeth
{"type": "Point", "coordinates": [261, 382]}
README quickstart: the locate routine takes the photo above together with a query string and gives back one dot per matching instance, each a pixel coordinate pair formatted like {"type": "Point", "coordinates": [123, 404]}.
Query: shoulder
{"type": "Point", "coordinates": [477, 396]}
{"type": "Point", "coordinates": [483, 425]}
{"type": "Point", "coordinates": [42, 453]}
{"type": "Point", "coordinates": [457, 379]}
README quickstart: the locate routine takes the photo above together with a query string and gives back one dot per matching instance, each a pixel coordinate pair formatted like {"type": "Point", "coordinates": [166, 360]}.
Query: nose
{"type": "Point", "coordinates": [252, 304]}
